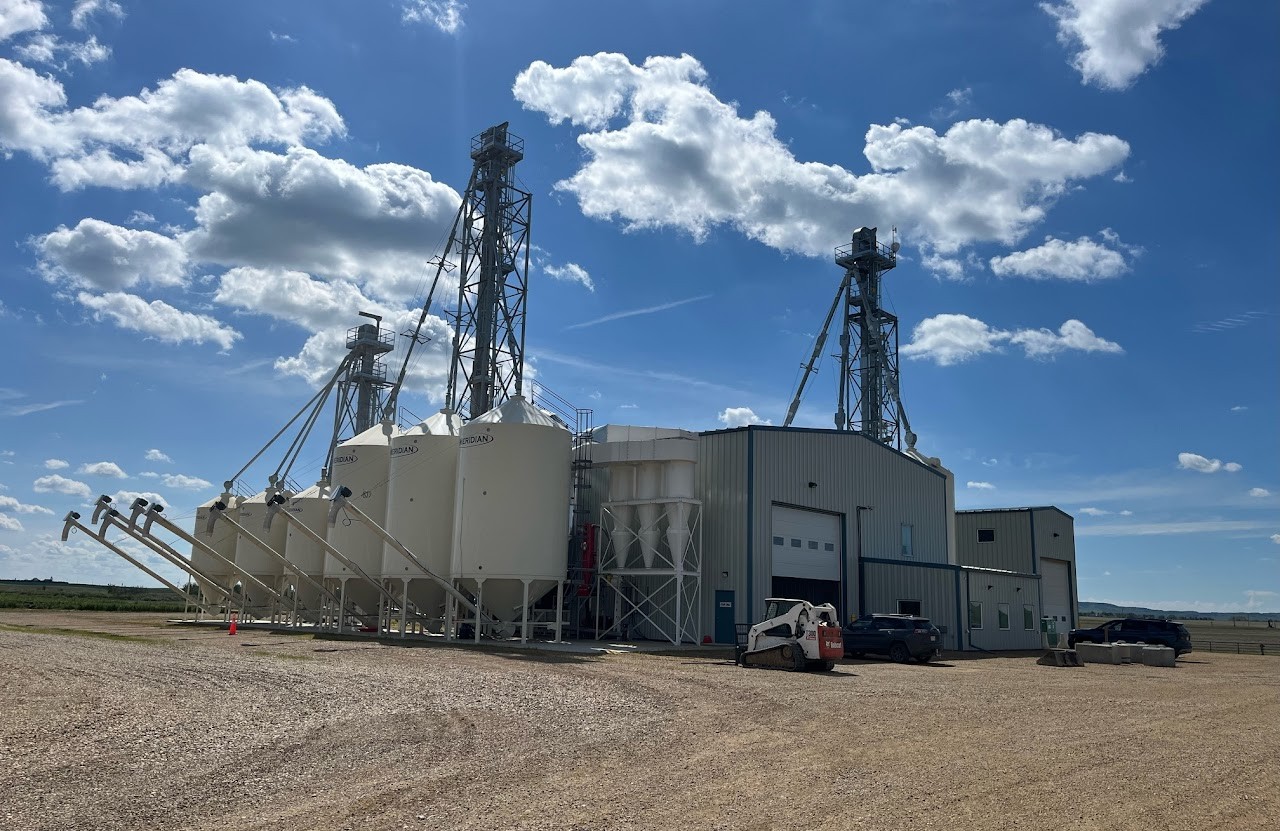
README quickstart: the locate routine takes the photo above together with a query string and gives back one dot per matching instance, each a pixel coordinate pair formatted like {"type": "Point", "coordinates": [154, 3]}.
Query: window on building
{"type": "Point", "coordinates": [795, 543]}
{"type": "Point", "coordinates": [908, 553]}
{"type": "Point", "coordinates": [1028, 617]}
{"type": "Point", "coordinates": [813, 545]}
{"type": "Point", "coordinates": [986, 535]}
{"type": "Point", "coordinates": [1002, 612]}
{"type": "Point", "coordinates": [909, 607]}
{"type": "Point", "coordinates": [828, 546]}
{"type": "Point", "coordinates": [779, 541]}
{"type": "Point", "coordinates": [975, 614]}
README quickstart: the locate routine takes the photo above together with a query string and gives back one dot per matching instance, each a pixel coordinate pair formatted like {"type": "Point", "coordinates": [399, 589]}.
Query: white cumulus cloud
{"type": "Point", "coordinates": [56, 464]}
{"type": "Point", "coordinates": [50, 49]}
{"type": "Point", "coordinates": [54, 483]}
{"type": "Point", "coordinates": [155, 455]}
{"type": "Point", "coordinates": [18, 16]}
{"type": "Point", "coordinates": [948, 339]}
{"type": "Point", "coordinates": [108, 257]}
{"type": "Point", "coordinates": [10, 523]}
{"type": "Point", "coordinates": [85, 9]}
{"type": "Point", "coordinates": [663, 151]}
{"type": "Point", "coordinates": [158, 319]}
{"type": "Point", "coordinates": [980, 486]}
{"type": "Point", "coordinates": [182, 482]}
{"type": "Point", "coordinates": [740, 417]}
{"type": "Point", "coordinates": [1259, 492]}
{"type": "Point", "coordinates": [8, 503]}
{"type": "Point", "coordinates": [570, 273]}
{"type": "Point", "coordinates": [1201, 464]}
{"type": "Point", "coordinates": [102, 469]}
{"type": "Point", "coordinates": [1115, 41]}
{"type": "Point", "coordinates": [1083, 260]}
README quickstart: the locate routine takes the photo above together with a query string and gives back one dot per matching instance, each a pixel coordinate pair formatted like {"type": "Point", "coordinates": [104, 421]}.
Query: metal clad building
{"type": "Point", "coordinates": [775, 498]}
{"type": "Point", "coordinates": [1037, 542]}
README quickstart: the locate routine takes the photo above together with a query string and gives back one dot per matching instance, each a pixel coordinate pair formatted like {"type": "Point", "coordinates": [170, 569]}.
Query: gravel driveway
{"type": "Point", "coordinates": [165, 727]}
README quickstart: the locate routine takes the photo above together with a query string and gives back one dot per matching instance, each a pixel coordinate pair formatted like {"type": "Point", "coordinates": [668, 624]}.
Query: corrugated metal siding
{"type": "Point", "coordinates": [1016, 590]}
{"type": "Point", "coordinates": [722, 487]}
{"type": "Point", "coordinates": [1011, 550]}
{"type": "Point", "coordinates": [935, 588]}
{"type": "Point", "coordinates": [1050, 521]}
{"type": "Point", "coordinates": [847, 469]}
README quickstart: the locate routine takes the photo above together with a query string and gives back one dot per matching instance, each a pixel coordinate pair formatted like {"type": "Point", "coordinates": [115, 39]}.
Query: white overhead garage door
{"type": "Point", "coordinates": [1055, 577]}
{"type": "Point", "coordinates": [806, 544]}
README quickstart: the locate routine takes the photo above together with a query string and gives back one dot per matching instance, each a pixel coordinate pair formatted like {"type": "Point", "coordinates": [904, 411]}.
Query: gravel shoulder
{"type": "Point", "coordinates": [164, 727]}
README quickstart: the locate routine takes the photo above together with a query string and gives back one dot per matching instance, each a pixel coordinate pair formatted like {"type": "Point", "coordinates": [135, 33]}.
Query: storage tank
{"type": "Point", "coordinates": [362, 464]}
{"type": "Point", "coordinates": [223, 540]}
{"type": "Point", "coordinates": [250, 513]}
{"type": "Point", "coordinates": [420, 507]}
{"type": "Point", "coordinates": [511, 520]}
{"type": "Point", "coordinates": [311, 506]}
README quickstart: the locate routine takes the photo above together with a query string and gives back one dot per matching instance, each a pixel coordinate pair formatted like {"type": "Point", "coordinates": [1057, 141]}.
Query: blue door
{"type": "Point", "coordinates": [725, 619]}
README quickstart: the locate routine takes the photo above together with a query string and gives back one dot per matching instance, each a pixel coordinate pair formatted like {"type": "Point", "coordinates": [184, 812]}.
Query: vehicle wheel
{"type": "Point", "coordinates": [788, 652]}
{"type": "Point", "coordinates": [899, 653]}
{"type": "Point", "coordinates": [827, 666]}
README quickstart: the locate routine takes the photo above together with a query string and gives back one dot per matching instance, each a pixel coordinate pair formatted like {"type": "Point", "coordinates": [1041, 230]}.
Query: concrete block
{"type": "Point", "coordinates": [1098, 653]}
{"type": "Point", "coordinates": [1158, 656]}
{"type": "Point", "coordinates": [1130, 653]}
{"type": "Point", "coordinates": [1060, 658]}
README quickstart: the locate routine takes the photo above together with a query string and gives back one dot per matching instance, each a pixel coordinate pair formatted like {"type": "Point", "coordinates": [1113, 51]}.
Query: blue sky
{"type": "Point", "coordinates": [197, 197]}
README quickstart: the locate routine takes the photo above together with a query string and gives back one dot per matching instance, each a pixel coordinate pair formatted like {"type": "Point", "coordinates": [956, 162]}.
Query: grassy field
{"type": "Point", "coordinates": [1220, 631]}
{"type": "Point", "coordinates": [25, 594]}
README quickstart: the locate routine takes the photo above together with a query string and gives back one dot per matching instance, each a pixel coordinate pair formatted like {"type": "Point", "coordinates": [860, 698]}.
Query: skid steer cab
{"type": "Point", "coordinates": [795, 635]}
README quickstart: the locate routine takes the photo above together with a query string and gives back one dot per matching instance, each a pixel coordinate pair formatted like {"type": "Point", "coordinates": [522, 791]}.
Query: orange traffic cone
{"type": "Point", "coordinates": [232, 630]}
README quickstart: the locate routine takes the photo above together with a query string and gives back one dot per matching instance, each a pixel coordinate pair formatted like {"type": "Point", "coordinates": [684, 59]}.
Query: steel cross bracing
{"type": "Point", "coordinates": [493, 251]}
{"type": "Point", "coordinates": [868, 399]}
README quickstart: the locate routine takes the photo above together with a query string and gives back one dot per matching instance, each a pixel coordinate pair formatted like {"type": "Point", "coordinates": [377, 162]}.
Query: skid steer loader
{"type": "Point", "coordinates": [795, 635]}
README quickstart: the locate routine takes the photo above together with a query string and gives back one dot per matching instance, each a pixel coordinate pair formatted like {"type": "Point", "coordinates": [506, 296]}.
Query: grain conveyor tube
{"type": "Point", "coordinates": [72, 520]}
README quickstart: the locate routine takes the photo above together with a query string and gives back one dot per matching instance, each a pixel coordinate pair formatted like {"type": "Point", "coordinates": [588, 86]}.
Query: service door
{"type": "Point", "coordinates": [726, 632]}
{"type": "Point", "coordinates": [806, 555]}
{"type": "Point", "coordinates": [1055, 577]}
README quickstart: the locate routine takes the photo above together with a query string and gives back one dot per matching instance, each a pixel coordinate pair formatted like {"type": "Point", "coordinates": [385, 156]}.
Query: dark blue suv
{"type": "Point", "coordinates": [1136, 630]}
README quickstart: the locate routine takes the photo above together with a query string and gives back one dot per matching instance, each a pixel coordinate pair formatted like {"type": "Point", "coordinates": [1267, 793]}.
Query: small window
{"type": "Point", "coordinates": [795, 543]}
{"type": "Point", "coordinates": [975, 614]}
{"type": "Point", "coordinates": [813, 545]}
{"type": "Point", "coordinates": [1028, 617]}
{"type": "Point", "coordinates": [828, 546]}
{"type": "Point", "coordinates": [909, 607]}
{"type": "Point", "coordinates": [1002, 612]}
{"type": "Point", "coordinates": [986, 535]}
{"type": "Point", "coordinates": [779, 541]}
{"type": "Point", "coordinates": [908, 553]}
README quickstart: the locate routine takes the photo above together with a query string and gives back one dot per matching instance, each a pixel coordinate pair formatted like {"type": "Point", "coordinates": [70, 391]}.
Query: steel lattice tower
{"type": "Point", "coordinates": [362, 389]}
{"type": "Point", "coordinates": [868, 396]}
{"type": "Point", "coordinates": [493, 249]}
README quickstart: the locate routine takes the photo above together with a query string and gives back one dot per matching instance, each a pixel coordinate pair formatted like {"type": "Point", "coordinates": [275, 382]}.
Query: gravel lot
{"type": "Point", "coordinates": [176, 727]}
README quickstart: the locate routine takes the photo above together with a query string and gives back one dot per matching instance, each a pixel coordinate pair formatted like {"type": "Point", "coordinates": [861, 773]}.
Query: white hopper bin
{"type": "Point", "coordinates": [222, 540]}
{"type": "Point", "coordinates": [511, 520]}
{"type": "Point", "coordinates": [311, 507]}
{"type": "Point", "coordinates": [363, 465]}
{"type": "Point", "coordinates": [648, 486]}
{"type": "Point", "coordinates": [250, 513]}
{"type": "Point", "coordinates": [678, 483]}
{"type": "Point", "coordinates": [420, 508]}
{"type": "Point", "coordinates": [622, 487]}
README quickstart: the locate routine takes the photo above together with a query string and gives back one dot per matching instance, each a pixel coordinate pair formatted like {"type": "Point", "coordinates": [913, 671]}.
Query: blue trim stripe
{"type": "Point", "coordinates": [751, 527]}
